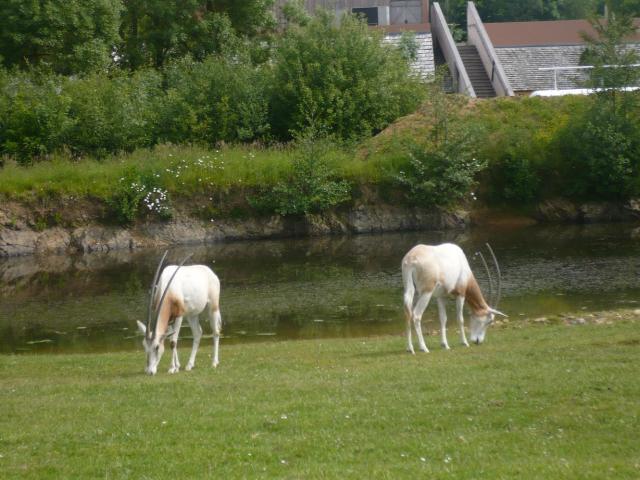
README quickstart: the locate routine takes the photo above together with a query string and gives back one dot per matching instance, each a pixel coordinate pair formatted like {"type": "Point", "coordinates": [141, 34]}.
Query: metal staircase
{"type": "Point", "coordinates": [477, 74]}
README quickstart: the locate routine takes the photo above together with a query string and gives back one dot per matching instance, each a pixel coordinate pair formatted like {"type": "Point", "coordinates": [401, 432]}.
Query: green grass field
{"type": "Point", "coordinates": [539, 401]}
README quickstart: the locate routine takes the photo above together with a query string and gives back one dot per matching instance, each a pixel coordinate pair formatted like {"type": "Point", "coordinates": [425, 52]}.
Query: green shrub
{"type": "Point", "coordinates": [513, 179]}
{"type": "Point", "coordinates": [33, 114]}
{"type": "Point", "coordinates": [440, 175]}
{"type": "Point", "coordinates": [311, 187]}
{"type": "Point", "coordinates": [66, 36]}
{"type": "Point", "coordinates": [138, 193]}
{"type": "Point", "coordinates": [598, 151]}
{"type": "Point", "coordinates": [341, 78]}
{"type": "Point", "coordinates": [214, 100]}
{"type": "Point", "coordinates": [111, 114]}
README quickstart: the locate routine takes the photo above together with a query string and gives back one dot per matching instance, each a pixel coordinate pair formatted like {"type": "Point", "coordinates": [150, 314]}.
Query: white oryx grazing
{"type": "Point", "coordinates": [438, 271]}
{"type": "Point", "coordinates": [186, 293]}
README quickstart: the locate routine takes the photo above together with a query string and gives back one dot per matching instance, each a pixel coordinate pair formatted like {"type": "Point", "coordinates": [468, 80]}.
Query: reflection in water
{"type": "Point", "coordinates": [334, 286]}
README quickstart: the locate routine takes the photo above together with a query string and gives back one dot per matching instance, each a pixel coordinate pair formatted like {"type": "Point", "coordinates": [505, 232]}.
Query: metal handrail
{"type": "Point", "coordinates": [580, 67]}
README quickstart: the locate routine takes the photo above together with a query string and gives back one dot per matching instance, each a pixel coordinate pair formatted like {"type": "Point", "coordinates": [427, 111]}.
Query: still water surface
{"type": "Point", "coordinates": [310, 288]}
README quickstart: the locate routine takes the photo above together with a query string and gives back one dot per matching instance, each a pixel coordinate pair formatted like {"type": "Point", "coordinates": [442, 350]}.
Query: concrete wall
{"type": "Point", "coordinates": [442, 36]}
{"type": "Point", "coordinates": [477, 36]}
{"type": "Point", "coordinates": [399, 11]}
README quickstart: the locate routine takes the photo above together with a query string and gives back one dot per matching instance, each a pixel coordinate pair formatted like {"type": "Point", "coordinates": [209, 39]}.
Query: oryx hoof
{"type": "Point", "coordinates": [215, 364]}
{"type": "Point", "coordinates": [445, 346]}
{"type": "Point", "coordinates": [189, 367]}
{"type": "Point", "coordinates": [465, 344]}
{"type": "Point", "coordinates": [174, 369]}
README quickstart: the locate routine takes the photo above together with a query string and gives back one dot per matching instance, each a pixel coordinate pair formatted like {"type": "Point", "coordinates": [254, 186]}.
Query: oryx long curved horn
{"type": "Point", "coordinates": [495, 259]}
{"type": "Point", "coordinates": [152, 291]}
{"type": "Point", "coordinates": [486, 267]}
{"type": "Point", "coordinates": [166, 289]}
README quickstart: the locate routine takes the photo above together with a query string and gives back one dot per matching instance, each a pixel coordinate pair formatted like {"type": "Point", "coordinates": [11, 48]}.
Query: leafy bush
{"type": "Point", "coordinates": [214, 100]}
{"type": "Point", "coordinates": [310, 188]}
{"type": "Point", "coordinates": [440, 175]}
{"type": "Point", "coordinates": [33, 114]}
{"type": "Point", "coordinates": [443, 169]}
{"type": "Point", "coordinates": [112, 114]}
{"type": "Point", "coordinates": [600, 156]}
{"type": "Point", "coordinates": [138, 193]}
{"type": "Point", "coordinates": [67, 36]}
{"type": "Point", "coordinates": [341, 78]}
{"type": "Point", "coordinates": [512, 179]}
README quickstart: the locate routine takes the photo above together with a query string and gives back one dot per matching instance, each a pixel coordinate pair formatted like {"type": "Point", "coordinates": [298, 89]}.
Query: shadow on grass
{"type": "Point", "coordinates": [396, 352]}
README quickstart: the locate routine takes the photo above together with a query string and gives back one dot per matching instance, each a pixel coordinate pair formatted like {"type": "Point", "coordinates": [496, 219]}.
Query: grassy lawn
{"type": "Point", "coordinates": [550, 401]}
{"type": "Point", "coordinates": [182, 170]}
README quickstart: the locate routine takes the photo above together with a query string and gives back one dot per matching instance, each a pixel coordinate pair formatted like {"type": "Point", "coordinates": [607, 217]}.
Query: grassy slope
{"type": "Point", "coordinates": [533, 402]}
{"type": "Point", "coordinates": [185, 170]}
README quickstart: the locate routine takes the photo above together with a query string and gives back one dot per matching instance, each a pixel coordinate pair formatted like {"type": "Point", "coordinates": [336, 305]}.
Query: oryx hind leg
{"type": "Point", "coordinates": [196, 329]}
{"type": "Point", "coordinates": [216, 325]}
{"type": "Point", "coordinates": [418, 310]}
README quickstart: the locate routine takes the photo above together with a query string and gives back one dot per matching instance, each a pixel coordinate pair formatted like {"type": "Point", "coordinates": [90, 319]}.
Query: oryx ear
{"type": "Point", "coordinates": [142, 327]}
{"type": "Point", "coordinates": [498, 312]}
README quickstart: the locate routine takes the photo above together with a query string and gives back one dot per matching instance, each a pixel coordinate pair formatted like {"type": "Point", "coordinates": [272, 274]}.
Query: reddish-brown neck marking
{"type": "Point", "coordinates": [474, 298]}
{"type": "Point", "coordinates": [170, 309]}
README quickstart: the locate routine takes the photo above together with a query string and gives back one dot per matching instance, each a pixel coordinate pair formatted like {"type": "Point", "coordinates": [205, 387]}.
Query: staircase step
{"type": "Point", "coordinates": [475, 69]}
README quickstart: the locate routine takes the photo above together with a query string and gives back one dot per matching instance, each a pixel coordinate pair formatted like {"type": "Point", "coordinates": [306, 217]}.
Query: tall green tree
{"type": "Point", "coordinates": [68, 36]}
{"type": "Point", "coordinates": [339, 78]}
{"type": "Point", "coordinates": [520, 10]}
{"type": "Point", "coordinates": [601, 150]}
{"type": "Point", "coordinates": [155, 31]}
{"type": "Point", "coordinates": [608, 51]}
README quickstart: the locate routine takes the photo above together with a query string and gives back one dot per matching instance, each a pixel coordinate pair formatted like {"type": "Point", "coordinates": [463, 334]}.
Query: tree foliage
{"type": "Point", "coordinates": [156, 31]}
{"type": "Point", "coordinates": [520, 10]}
{"type": "Point", "coordinates": [68, 36]}
{"type": "Point", "coordinates": [441, 170]}
{"type": "Point", "coordinates": [601, 150]}
{"type": "Point", "coordinates": [340, 78]}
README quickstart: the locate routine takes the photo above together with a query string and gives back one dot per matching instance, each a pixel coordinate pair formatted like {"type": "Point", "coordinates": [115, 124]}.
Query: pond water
{"type": "Point", "coordinates": [309, 288]}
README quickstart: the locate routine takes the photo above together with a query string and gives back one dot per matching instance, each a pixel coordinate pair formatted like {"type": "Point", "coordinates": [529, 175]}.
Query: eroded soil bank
{"type": "Point", "coordinates": [71, 227]}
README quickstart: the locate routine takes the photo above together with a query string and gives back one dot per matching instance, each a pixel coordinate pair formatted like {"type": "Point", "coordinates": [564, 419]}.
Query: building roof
{"type": "Point", "coordinates": [527, 67]}
{"type": "Point", "coordinates": [424, 63]}
{"type": "Point", "coordinates": [405, 27]}
{"type": "Point", "coordinates": [557, 32]}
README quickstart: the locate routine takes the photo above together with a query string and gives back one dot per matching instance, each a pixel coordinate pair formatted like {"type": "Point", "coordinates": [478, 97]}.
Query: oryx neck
{"type": "Point", "coordinates": [474, 298]}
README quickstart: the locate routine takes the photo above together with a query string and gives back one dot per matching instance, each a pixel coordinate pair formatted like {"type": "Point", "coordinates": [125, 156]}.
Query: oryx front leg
{"type": "Point", "coordinates": [442, 313]}
{"type": "Point", "coordinates": [408, 313]}
{"type": "Point", "coordinates": [175, 362]}
{"type": "Point", "coordinates": [459, 307]}
{"type": "Point", "coordinates": [196, 329]}
{"type": "Point", "coordinates": [418, 310]}
{"type": "Point", "coordinates": [216, 326]}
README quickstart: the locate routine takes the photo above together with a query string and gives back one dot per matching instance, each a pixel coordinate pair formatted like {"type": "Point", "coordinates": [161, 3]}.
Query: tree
{"type": "Point", "coordinates": [340, 78]}
{"type": "Point", "coordinates": [67, 36]}
{"type": "Point", "coordinates": [608, 52]}
{"type": "Point", "coordinates": [601, 150]}
{"type": "Point", "coordinates": [155, 31]}
{"type": "Point", "coordinates": [519, 10]}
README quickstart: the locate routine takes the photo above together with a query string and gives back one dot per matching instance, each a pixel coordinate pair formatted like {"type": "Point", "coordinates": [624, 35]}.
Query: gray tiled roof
{"type": "Point", "coordinates": [522, 64]}
{"type": "Point", "coordinates": [424, 64]}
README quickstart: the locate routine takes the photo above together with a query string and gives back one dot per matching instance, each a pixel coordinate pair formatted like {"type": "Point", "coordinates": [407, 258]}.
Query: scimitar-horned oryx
{"type": "Point", "coordinates": [180, 292]}
{"type": "Point", "coordinates": [438, 271]}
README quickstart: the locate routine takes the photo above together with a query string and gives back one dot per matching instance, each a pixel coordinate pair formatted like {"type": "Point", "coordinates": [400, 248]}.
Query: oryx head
{"type": "Point", "coordinates": [479, 322]}
{"type": "Point", "coordinates": [153, 341]}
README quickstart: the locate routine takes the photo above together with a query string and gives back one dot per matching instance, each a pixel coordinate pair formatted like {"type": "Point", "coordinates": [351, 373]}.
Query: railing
{"type": "Point", "coordinates": [555, 70]}
{"type": "Point", "coordinates": [442, 34]}
{"type": "Point", "coordinates": [480, 39]}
